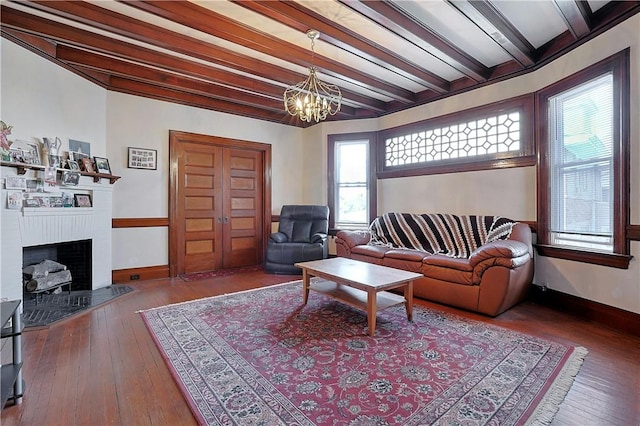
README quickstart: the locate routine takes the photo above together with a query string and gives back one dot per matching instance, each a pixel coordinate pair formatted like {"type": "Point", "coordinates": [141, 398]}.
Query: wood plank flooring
{"type": "Point", "coordinates": [103, 368]}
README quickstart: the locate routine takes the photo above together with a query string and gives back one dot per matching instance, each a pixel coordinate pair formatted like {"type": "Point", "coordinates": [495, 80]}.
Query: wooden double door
{"type": "Point", "coordinates": [219, 202]}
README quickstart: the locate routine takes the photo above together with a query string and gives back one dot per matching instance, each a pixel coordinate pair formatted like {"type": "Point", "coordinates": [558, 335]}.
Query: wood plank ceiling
{"type": "Point", "coordinates": [239, 56]}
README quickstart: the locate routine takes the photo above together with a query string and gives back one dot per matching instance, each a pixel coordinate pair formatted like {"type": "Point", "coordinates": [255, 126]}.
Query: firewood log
{"type": "Point", "coordinates": [51, 280]}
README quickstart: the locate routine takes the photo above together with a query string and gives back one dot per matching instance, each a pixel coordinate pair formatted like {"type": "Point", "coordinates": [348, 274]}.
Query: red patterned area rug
{"type": "Point", "coordinates": [219, 273]}
{"type": "Point", "coordinates": [260, 357]}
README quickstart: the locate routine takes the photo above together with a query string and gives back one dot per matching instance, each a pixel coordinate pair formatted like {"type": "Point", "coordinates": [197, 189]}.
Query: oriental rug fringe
{"type": "Point", "coordinates": [260, 357]}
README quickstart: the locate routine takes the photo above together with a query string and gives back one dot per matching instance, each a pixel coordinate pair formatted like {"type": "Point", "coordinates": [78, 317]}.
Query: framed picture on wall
{"type": "Point", "coordinates": [82, 200]}
{"type": "Point", "coordinates": [142, 158]}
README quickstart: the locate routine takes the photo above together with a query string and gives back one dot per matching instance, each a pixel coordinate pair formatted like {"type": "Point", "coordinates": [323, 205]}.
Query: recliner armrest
{"type": "Point", "coordinates": [278, 237]}
{"type": "Point", "coordinates": [318, 238]}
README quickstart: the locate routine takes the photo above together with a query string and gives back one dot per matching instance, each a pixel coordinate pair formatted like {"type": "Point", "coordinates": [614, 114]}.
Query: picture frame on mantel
{"type": "Point", "coordinates": [82, 200]}
{"type": "Point", "coordinates": [142, 158]}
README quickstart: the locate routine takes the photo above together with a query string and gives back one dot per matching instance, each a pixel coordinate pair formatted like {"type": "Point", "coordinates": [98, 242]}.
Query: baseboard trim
{"type": "Point", "coordinates": [139, 222]}
{"type": "Point", "coordinates": [146, 273]}
{"type": "Point", "coordinates": [611, 316]}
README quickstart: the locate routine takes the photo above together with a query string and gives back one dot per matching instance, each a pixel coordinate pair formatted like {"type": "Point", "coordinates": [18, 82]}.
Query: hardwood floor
{"type": "Point", "coordinates": [103, 368]}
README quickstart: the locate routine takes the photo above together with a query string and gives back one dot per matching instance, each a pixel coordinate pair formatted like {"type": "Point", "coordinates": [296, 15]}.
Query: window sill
{"type": "Point", "coordinates": [612, 260]}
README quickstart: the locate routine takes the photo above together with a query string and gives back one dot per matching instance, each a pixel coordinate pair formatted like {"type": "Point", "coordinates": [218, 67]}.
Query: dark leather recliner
{"type": "Point", "coordinates": [302, 236]}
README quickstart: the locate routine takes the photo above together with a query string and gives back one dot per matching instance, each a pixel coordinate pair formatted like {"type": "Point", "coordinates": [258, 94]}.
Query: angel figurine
{"type": "Point", "coordinates": [4, 131]}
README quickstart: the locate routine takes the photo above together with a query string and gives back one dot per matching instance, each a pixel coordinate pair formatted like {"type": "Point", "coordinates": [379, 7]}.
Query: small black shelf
{"type": "Point", "coordinates": [11, 374]}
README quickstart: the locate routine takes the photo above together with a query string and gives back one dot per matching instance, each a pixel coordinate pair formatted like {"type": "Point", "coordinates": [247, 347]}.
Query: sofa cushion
{"type": "Point", "coordinates": [371, 251]}
{"type": "Point", "coordinates": [407, 254]}
{"type": "Point", "coordinates": [447, 274]}
{"type": "Point", "coordinates": [449, 262]}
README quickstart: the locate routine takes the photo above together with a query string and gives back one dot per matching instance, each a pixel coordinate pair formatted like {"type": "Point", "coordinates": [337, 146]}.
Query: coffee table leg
{"type": "Point", "coordinates": [408, 300]}
{"type": "Point", "coordinates": [305, 286]}
{"type": "Point", "coordinates": [371, 311]}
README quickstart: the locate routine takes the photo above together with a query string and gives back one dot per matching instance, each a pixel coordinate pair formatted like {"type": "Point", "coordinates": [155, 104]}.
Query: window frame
{"type": "Point", "coordinates": [332, 140]}
{"type": "Point", "coordinates": [618, 66]}
{"type": "Point", "coordinates": [524, 157]}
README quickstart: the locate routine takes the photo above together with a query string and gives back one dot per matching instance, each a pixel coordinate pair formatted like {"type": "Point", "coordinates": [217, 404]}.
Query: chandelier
{"type": "Point", "coordinates": [312, 99]}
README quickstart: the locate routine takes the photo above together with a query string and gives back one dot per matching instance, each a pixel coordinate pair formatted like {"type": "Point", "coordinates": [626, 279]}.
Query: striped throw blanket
{"type": "Point", "coordinates": [446, 234]}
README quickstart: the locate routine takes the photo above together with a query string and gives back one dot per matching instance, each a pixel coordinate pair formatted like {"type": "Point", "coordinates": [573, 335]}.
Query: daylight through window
{"type": "Point", "coordinates": [351, 184]}
{"type": "Point", "coordinates": [581, 124]}
{"type": "Point", "coordinates": [484, 136]}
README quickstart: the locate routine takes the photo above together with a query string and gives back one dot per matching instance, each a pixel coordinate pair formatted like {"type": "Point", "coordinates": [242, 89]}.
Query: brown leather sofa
{"type": "Point", "coordinates": [495, 277]}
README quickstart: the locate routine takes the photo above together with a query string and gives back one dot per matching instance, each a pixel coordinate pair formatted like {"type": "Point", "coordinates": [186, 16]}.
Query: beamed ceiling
{"type": "Point", "coordinates": [239, 56]}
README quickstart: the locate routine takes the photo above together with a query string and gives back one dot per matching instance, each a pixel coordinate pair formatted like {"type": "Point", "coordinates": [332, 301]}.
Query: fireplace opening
{"type": "Point", "coordinates": [75, 255]}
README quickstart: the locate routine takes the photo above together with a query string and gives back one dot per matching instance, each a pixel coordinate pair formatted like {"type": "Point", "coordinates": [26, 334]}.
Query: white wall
{"type": "Point", "coordinates": [41, 99]}
{"type": "Point", "coordinates": [511, 192]}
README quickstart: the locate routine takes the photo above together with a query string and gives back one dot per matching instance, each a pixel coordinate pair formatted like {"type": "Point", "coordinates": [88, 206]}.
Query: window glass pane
{"type": "Point", "coordinates": [351, 203]}
{"type": "Point", "coordinates": [352, 164]}
{"type": "Point", "coordinates": [581, 154]}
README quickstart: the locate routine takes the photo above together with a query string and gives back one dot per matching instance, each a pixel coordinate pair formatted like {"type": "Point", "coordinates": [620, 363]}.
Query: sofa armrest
{"type": "Point", "coordinates": [501, 249]}
{"type": "Point", "coordinates": [346, 240]}
{"type": "Point", "coordinates": [278, 237]}
{"type": "Point", "coordinates": [354, 238]}
{"type": "Point", "coordinates": [506, 253]}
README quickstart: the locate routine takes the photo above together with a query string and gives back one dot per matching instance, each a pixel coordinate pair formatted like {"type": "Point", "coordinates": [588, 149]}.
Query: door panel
{"type": "Point", "coordinates": [201, 176]}
{"type": "Point", "coordinates": [244, 182]}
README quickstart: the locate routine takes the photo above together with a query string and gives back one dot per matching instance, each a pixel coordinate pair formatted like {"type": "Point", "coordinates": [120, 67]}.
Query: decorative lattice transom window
{"type": "Point", "coordinates": [497, 131]}
{"type": "Point", "coordinates": [478, 137]}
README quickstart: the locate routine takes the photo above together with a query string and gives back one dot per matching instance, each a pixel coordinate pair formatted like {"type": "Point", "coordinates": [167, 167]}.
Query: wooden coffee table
{"type": "Point", "coordinates": [359, 284]}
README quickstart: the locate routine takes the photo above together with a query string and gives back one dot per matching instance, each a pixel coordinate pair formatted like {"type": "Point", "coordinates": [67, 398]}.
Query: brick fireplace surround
{"type": "Point", "coordinates": [39, 226]}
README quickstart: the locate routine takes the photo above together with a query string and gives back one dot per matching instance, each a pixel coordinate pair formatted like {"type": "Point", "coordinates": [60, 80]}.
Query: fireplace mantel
{"type": "Point", "coordinates": [39, 226]}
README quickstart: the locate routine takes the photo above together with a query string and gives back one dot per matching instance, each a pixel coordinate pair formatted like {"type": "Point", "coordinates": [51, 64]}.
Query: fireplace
{"type": "Point", "coordinates": [75, 255]}
{"type": "Point", "coordinates": [41, 228]}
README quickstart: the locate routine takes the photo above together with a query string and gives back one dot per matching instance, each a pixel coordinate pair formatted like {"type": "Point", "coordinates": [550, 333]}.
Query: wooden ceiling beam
{"type": "Point", "coordinates": [136, 72]}
{"type": "Point", "coordinates": [217, 25]}
{"type": "Point", "coordinates": [124, 85]}
{"type": "Point", "coordinates": [133, 71]}
{"type": "Point", "coordinates": [302, 19]}
{"type": "Point", "coordinates": [97, 43]}
{"type": "Point", "coordinates": [107, 20]}
{"type": "Point", "coordinates": [61, 33]}
{"type": "Point", "coordinates": [576, 14]}
{"type": "Point", "coordinates": [486, 17]}
{"type": "Point", "coordinates": [398, 22]}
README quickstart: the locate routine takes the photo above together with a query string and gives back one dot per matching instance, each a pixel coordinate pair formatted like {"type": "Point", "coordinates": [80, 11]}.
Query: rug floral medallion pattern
{"type": "Point", "coordinates": [262, 358]}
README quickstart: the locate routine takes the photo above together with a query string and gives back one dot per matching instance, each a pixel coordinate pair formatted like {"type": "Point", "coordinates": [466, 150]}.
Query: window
{"type": "Point", "coordinates": [351, 196]}
{"type": "Point", "coordinates": [583, 197]}
{"type": "Point", "coordinates": [495, 135]}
